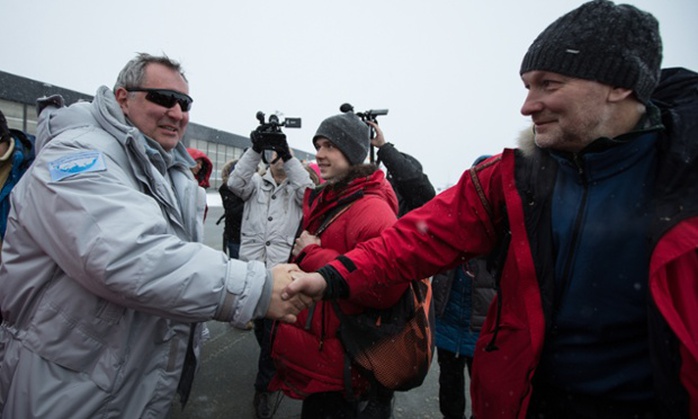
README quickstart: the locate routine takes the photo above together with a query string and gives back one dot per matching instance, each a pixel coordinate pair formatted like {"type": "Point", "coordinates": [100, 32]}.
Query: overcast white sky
{"type": "Point", "coordinates": [447, 70]}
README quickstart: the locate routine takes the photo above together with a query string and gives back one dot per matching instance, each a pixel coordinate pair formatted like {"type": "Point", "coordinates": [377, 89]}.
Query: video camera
{"type": "Point", "coordinates": [269, 137]}
{"type": "Point", "coordinates": [369, 115]}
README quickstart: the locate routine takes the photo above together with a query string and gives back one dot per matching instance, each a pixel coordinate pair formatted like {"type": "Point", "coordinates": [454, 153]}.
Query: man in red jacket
{"type": "Point", "coordinates": [355, 204]}
{"type": "Point", "coordinates": [596, 304]}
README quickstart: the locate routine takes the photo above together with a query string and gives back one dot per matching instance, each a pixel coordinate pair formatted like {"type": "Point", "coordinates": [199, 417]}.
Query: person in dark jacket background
{"type": "Point", "coordinates": [405, 174]}
{"type": "Point", "coordinates": [461, 298]}
{"type": "Point", "coordinates": [233, 207]}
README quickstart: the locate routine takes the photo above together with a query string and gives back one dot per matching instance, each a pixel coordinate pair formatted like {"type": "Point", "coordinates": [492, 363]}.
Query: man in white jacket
{"type": "Point", "coordinates": [273, 209]}
{"type": "Point", "coordinates": [104, 283]}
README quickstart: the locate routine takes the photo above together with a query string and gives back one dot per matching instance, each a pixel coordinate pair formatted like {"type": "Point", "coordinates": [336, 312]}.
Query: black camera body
{"type": "Point", "coordinates": [275, 124]}
{"type": "Point", "coordinates": [269, 137]}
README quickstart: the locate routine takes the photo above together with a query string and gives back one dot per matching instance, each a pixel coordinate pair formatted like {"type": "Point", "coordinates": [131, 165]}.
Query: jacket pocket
{"type": "Point", "coordinates": [79, 344]}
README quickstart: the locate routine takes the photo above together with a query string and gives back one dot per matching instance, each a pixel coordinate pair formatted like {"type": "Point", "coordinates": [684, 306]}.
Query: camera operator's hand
{"type": "Point", "coordinates": [257, 139]}
{"type": "Point", "coordinates": [264, 140]}
{"type": "Point", "coordinates": [283, 151]}
{"type": "Point", "coordinates": [379, 139]}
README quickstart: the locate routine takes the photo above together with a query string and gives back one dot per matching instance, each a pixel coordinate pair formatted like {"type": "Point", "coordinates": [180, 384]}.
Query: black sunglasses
{"type": "Point", "coordinates": [165, 97]}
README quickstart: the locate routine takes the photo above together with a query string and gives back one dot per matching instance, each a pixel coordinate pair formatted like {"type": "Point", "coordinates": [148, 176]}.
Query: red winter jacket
{"type": "Point", "coordinates": [311, 359]}
{"type": "Point", "coordinates": [425, 241]}
{"type": "Point", "coordinates": [469, 219]}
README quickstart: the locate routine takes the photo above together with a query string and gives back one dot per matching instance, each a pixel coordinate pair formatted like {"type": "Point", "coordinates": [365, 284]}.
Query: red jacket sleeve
{"type": "Point", "coordinates": [456, 225]}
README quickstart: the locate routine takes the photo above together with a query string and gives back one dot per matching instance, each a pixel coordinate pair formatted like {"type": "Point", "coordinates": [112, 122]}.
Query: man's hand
{"type": "Point", "coordinates": [303, 240]}
{"type": "Point", "coordinates": [379, 139]}
{"type": "Point", "coordinates": [285, 309]}
{"type": "Point", "coordinates": [309, 285]}
{"type": "Point", "coordinates": [256, 139]}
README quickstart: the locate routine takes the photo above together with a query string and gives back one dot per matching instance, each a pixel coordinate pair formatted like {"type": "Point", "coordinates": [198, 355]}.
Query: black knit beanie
{"type": "Point", "coordinates": [348, 133]}
{"type": "Point", "coordinates": [617, 45]}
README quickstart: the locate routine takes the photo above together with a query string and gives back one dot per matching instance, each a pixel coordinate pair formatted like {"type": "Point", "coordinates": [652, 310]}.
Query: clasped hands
{"type": "Point", "coordinates": [293, 291]}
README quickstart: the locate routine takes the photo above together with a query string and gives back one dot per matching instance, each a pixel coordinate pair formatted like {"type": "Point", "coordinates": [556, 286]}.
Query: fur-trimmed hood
{"type": "Point", "coordinates": [526, 141]}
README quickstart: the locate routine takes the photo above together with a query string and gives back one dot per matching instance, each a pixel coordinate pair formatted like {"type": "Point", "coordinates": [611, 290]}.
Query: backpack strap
{"type": "Point", "coordinates": [498, 256]}
{"type": "Point", "coordinates": [299, 230]}
{"type": "Point", "coordinates": [348, 392]}
{"type": "Point", "coordinates": [331, 217]}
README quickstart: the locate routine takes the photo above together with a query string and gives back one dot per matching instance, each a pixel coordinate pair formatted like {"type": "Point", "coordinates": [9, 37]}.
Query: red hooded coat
{"type": "Point", "coordinates": [206, 167]}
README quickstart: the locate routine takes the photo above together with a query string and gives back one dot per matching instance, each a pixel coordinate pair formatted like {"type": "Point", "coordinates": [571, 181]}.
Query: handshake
{"type": "Point", "coordinates": [293, 290]}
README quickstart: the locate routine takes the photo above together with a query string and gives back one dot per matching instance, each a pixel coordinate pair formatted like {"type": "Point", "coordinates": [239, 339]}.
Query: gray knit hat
{"type": "Point", "coordinates": [617, 45]}
{"type": "Point", "coordinates": [349, 134]}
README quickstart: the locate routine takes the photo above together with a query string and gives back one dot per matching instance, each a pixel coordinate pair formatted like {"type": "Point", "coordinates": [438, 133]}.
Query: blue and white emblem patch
{"type": "Point", "coordinates": [83, 162]}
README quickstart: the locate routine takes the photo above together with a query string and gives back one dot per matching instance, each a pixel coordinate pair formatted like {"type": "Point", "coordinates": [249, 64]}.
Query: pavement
{"type": "Point", "coordinates": [223, 387]}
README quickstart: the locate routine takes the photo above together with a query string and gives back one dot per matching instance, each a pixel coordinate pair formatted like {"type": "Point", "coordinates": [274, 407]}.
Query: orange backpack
{"type": "Point", "coordinates": [393, 346]}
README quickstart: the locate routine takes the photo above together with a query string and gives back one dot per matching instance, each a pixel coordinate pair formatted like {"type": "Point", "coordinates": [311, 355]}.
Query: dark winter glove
{"type": "Point", "coordinates": [283, 151]}
{"type": "Point", "coordinates": [256, 138]}
{"type": "Point", "coordinates": [265, 140]}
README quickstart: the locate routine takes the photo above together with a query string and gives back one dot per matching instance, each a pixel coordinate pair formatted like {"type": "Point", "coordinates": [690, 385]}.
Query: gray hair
{"type": "Point", "coordinates": [134, 71]}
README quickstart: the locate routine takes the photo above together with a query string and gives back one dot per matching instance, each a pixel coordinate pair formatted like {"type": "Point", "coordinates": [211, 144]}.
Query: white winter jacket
{"type": "Point", "coordinates": [102, 275]}
{"type": "Point", "coordinates": [272, 212]}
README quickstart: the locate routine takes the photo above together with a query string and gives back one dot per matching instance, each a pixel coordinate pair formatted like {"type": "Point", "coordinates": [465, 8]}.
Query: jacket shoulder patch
{"type": "Point", "coordinates": [82, 162]}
